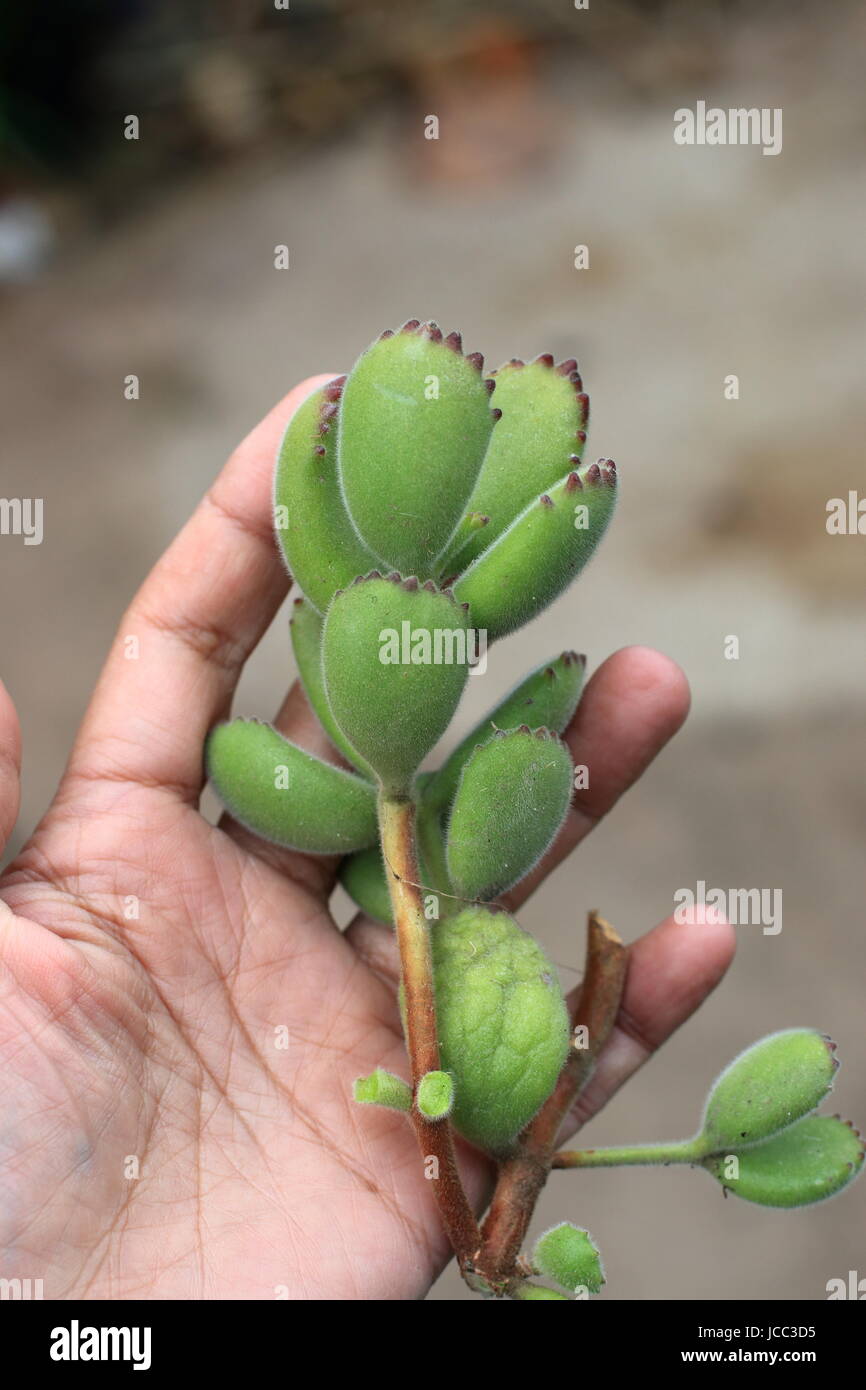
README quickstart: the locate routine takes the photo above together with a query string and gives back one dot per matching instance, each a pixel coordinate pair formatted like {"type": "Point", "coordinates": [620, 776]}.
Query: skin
{"type": "Point", "coordinates": [155, 1036]}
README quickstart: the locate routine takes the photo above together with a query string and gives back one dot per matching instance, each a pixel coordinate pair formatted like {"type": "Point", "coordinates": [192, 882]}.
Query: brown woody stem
{"type": "Point", "coordinates": [398, 834]}
{"type": "Point", "coordinates": [523, 1175]}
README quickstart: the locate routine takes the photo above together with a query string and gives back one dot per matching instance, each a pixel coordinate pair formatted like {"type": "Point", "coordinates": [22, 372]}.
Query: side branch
{"type": "Point", "coordinates": [680, 1151]}
{"type": "Point", "coordinates": [597, 1006]}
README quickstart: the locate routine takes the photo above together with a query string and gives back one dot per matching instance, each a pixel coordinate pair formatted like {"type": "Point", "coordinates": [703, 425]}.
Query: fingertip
{"type": "Point", "coordinates": [708, 934]}
{"type": "Point", "coordinates": [649, 674]}
{"type": "Point", "coordinates": [10, 764]}
{"type": "Point", "coordinates": [634, 703]}
{"type": "Point", "coordinates": [679, 963]}
{"type": "Point", "coordinates": [10, 727]}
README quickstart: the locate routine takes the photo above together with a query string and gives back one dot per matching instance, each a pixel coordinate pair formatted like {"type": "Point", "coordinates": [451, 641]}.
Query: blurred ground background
{"type": "Point", "coordinates": [305, 127]}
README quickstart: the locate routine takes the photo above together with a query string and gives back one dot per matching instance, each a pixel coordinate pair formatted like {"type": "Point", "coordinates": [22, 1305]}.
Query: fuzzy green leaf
{"type": "Point", "coordinates": [769, 1086]}
{"type": "Point", "coordinates": [566, 1253]}
{"type": "Point", "coordinates": [414, 425]}
{"type": "Point", "coordinates": [503, 1025]}
{"type": "Point", "coordinates": [306, 633]}
{"type": "Point", "coordinates": [540, 436]}
{"type": "Point", "coordinates": [512, 799]}
{"type": "Point", "coordinates": [545, 699]}
{"type": "Point", "coordinates": [287, 795]}
{"type": "Point", "coordinates": [535, 560]}
{"type": "Point", "coordinates": [321, 546]}
{"type": "Point", "coordinates": [394, 659]}
{"type": "Point", "coordinates": [807, 1162]}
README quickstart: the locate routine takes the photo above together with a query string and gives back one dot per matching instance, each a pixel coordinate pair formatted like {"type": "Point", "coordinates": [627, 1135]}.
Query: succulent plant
{"type": "Point", "coordinates": [426, 509]}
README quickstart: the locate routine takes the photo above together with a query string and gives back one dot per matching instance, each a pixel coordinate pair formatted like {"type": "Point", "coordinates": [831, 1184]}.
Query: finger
{"type": "Point", "coordinates": [671, 972]}
{"type": "Point", "coordinates": [10, 765]}
{"type": "Point", "coordinates": [633, 705]}
{"type": "Point", "coordinates": [183, 641]}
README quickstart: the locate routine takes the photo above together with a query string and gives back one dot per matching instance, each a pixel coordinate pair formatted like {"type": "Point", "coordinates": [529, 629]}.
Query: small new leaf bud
{"type": "Point", "coordinates": [566, 1253]}
{"type": "Point", "coordinates": [435, 1095]}
{"type": "Point", "coordinates": [768, 1087]}
{"type": "Point", "coordinates": [383, 1088]}
{"type": "Point", "coordinates": [287, 795]}
{"type": "Point", "coordinates": [363, 874]}
{"type": "Point", "coordinates": [805, 1163]}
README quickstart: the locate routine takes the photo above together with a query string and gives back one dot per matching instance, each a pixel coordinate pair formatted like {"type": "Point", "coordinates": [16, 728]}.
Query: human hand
{"type": "Point", "coordinates": [158, 1141]}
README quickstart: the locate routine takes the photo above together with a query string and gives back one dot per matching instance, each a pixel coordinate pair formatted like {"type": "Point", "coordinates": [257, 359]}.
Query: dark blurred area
{"type": "Point", "coordinates": [259, 126]}
{"type": "Point", "coordinates": [215, 82]}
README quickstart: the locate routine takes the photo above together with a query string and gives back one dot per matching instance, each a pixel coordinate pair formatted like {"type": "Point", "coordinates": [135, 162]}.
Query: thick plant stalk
{"type": "Point", "coordinates": [397, 830]}
{"type": "Point", "coordinates": [522, 1177]}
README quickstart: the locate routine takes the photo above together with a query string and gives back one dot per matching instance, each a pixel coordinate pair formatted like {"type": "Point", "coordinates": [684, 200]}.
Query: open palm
{"type": "Point", "coordinates": [180, 1020]}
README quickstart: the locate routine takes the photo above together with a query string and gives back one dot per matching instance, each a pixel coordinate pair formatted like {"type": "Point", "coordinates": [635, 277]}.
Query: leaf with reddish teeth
{"type": "Point", "coordinates": [415, 422]}
{"type": "Point", "coordinates": [809, 1161]}
{"type": "Point", "coordinates": [540, 435]}
{"type": "Point", "coordinates": [542, 551]}
{"type": "Point", "coordinates": [773, 1083]}
{"type": "Point", "coordinates": [547, 698]}
{"type": "Point", "coordinates": [394, 661]}
{"type": "Point", "coordinates": [321, 546]}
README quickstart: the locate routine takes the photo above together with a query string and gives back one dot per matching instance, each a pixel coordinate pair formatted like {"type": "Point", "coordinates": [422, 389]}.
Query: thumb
{"type": "Point", "coordinates": [10, 765]}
